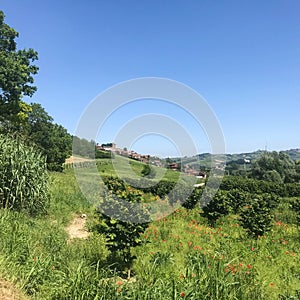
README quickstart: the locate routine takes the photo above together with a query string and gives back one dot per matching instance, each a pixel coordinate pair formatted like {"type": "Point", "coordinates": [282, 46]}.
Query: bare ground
{"type": "Point", "coordinates": [76, 228]}
{"type": "Point", "coordinates": [75, 159]}
{"type": "Point", "coordinates": [9, 292]}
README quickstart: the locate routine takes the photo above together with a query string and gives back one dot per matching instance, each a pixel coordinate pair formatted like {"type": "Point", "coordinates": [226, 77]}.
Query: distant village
{"type": "Point", "coordinates": [148, 159]}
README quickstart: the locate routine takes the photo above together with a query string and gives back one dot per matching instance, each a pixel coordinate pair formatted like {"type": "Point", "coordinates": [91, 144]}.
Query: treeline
{"type": "Point", "coordinates": [273, 166]}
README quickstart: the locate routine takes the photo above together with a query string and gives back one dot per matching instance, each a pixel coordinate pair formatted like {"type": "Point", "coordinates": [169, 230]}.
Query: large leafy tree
{"type": "Point", "coordinates": [53, 140]}
{"type": "Point", "coordinates": [16, 78]}
{"type": "Point", "coordinates": [275, 167]}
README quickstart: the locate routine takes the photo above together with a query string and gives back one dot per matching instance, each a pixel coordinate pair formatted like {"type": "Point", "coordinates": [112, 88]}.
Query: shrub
{"type": "Point", "coordinates": [194, 198]}
{"type": "Point", "coordinates": [23, 177]}
{"type": "Point", "coordinates": [148, 171]}
{"type": "Point", "coordinates": [123, 223]}
{"type": "Point", "coordinates": [219, 206]}
{"type": "Point", "coordinates": [295, 206]}
{"type": "Point", "coordinates": [256, 216]}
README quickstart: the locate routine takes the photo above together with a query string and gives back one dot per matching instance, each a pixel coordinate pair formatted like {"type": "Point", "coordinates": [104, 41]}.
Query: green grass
{"type": "Point", "coordinates": [181, 256]}
{"type": "Point", "coordinates": [124, 167]}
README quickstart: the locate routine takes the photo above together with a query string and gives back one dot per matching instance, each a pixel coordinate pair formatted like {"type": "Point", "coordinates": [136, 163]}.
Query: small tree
{"type": "Point", "coordinates": [217, 207]}
{"type": "Point", "coordinates": [256, 217]}
{"type": "Point", "coordinates": [123, 223]}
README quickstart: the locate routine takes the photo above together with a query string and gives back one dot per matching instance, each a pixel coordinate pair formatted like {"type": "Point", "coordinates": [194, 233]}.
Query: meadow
{"type": "Point", "coordinates": [180, 256]}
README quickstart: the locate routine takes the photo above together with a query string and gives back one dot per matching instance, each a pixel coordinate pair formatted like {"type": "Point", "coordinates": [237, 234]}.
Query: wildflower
{"type": "Point", "coordinates": [119, 283]}
{"type": "Point", "coordinates": [271, 284]}
{"type": "Point", "coordinates": [252, 248]}
{"type": "Point", "coordinates": [182, 294]}
{"type": "Point", "coordinates": [249, 266]}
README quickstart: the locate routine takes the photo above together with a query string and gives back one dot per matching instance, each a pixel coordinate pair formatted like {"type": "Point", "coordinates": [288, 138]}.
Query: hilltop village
{"type": "Point", "coordinates": [148, 159]}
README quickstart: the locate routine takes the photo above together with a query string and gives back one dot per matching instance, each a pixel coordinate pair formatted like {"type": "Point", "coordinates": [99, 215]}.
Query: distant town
{"type": "Point", "coordinates": [148, 159]}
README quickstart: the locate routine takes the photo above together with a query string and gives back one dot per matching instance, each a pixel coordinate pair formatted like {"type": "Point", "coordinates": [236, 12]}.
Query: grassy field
{"type": "Point", "coordinates": [123, 167]}
{"type": "Point", "coordinates": [180, 257]}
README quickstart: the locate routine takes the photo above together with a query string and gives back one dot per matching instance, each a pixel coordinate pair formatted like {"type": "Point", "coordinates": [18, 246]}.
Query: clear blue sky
{"type": "Point", "coordinates": [243, 57]}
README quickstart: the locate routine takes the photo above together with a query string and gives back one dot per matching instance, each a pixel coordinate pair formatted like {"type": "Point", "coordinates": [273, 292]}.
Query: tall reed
{"type": "Point", "coordinates": [23, 177]}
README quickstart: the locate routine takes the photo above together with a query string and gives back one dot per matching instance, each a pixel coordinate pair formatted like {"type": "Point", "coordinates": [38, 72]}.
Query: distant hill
{"type": "Point", "coordinates": [294, 154]}
{"type": "Point", "coordinates": [204, 159]}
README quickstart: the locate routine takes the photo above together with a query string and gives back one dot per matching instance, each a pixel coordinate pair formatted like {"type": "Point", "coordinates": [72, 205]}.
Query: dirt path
{"type": "Point", "coordinates": [9, 292]}
{"type": "Point", "coordinates": [76, 228]}
{"type": "Point", "coordinates": [76, 159]}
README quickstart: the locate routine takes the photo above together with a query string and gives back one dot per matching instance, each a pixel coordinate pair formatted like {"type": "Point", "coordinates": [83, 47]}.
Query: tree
{"type": "Point", "coordinates": [274, 166]}
{"type": "Point", "coordinates": [16, 70]}
{"type": "Point", "coordinates": [52, 139]}
{"type": "Point", "coordinates": [123, 222]}
{"type": "Point", "coordinates": [60, 147]}
{"type": "Point", "coordinates": [256, 217]}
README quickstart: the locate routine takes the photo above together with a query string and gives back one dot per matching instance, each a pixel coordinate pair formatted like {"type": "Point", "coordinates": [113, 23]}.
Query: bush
{"type": "Point", "coordinates": [123, 223]}
{"type": "Point", "coordinates": [256, 216]}
{"type": "Point", "coordinates": [23, 177]}
{"type": "Point", "coordinates": [295, 206]}
{"type": "Point", "coordinates": [219, 206]}
{"type": "Point", "coordinates": [148, 171]}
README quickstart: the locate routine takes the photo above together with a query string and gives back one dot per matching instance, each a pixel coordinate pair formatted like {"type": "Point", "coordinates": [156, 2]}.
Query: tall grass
{"type": "Point", "coordinates": [23, 177]}
{"type": "Point", "coordinates": [181, 257]}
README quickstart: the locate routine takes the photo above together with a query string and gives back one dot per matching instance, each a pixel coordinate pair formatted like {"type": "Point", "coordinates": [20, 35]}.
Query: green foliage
{"type": "Point", "coordinates": [23, 177]}
{"type": "Point", "coordinates": [256, 216]}
{"type": "Point", "coordinates": [194, 198]}
{"type": "Point", "coordinates": [255, 186]}
{"type": "Point", "coordinates": [114, 184]}
{"type": "Point", "coordinates": [161, 188]}
{"type": "Point", "coordinates": [180, 194]}
{"type": "Point", "coordinates": [275, 167]}
{"type": "Point", "coordinates": [123, 222]}
{"type": "Point", "coordinates": [148, 171]}
{"type": "Point", "coordinates": [179, 257]}
{"type": "Point", "coordinates": [104, 154]}
{"type": "Point", "coordinates": [217, 207]}
{"type": "Point", "coordinates": [52, 139]}
{"type": "Point", "coordinates": [16, 70]}
{"type": "Point", "coordinates": [83, 147]}
{"type": "Point", "coordinates": [18, 117]}
{"type": "Point", "coordinates": [295, 206]}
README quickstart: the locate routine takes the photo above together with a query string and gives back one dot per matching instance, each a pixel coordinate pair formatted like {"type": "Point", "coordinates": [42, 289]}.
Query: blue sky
{"type": "Point", "coordinates": [243, 57]}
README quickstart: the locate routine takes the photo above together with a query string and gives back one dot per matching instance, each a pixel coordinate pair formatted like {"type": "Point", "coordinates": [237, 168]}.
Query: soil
{"type": "Point", "coordinates": [76, 228]}
{"type": "Point", "coordinates": [9, 292]}
{"type": "Point", "coordinates": [75, 159]}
